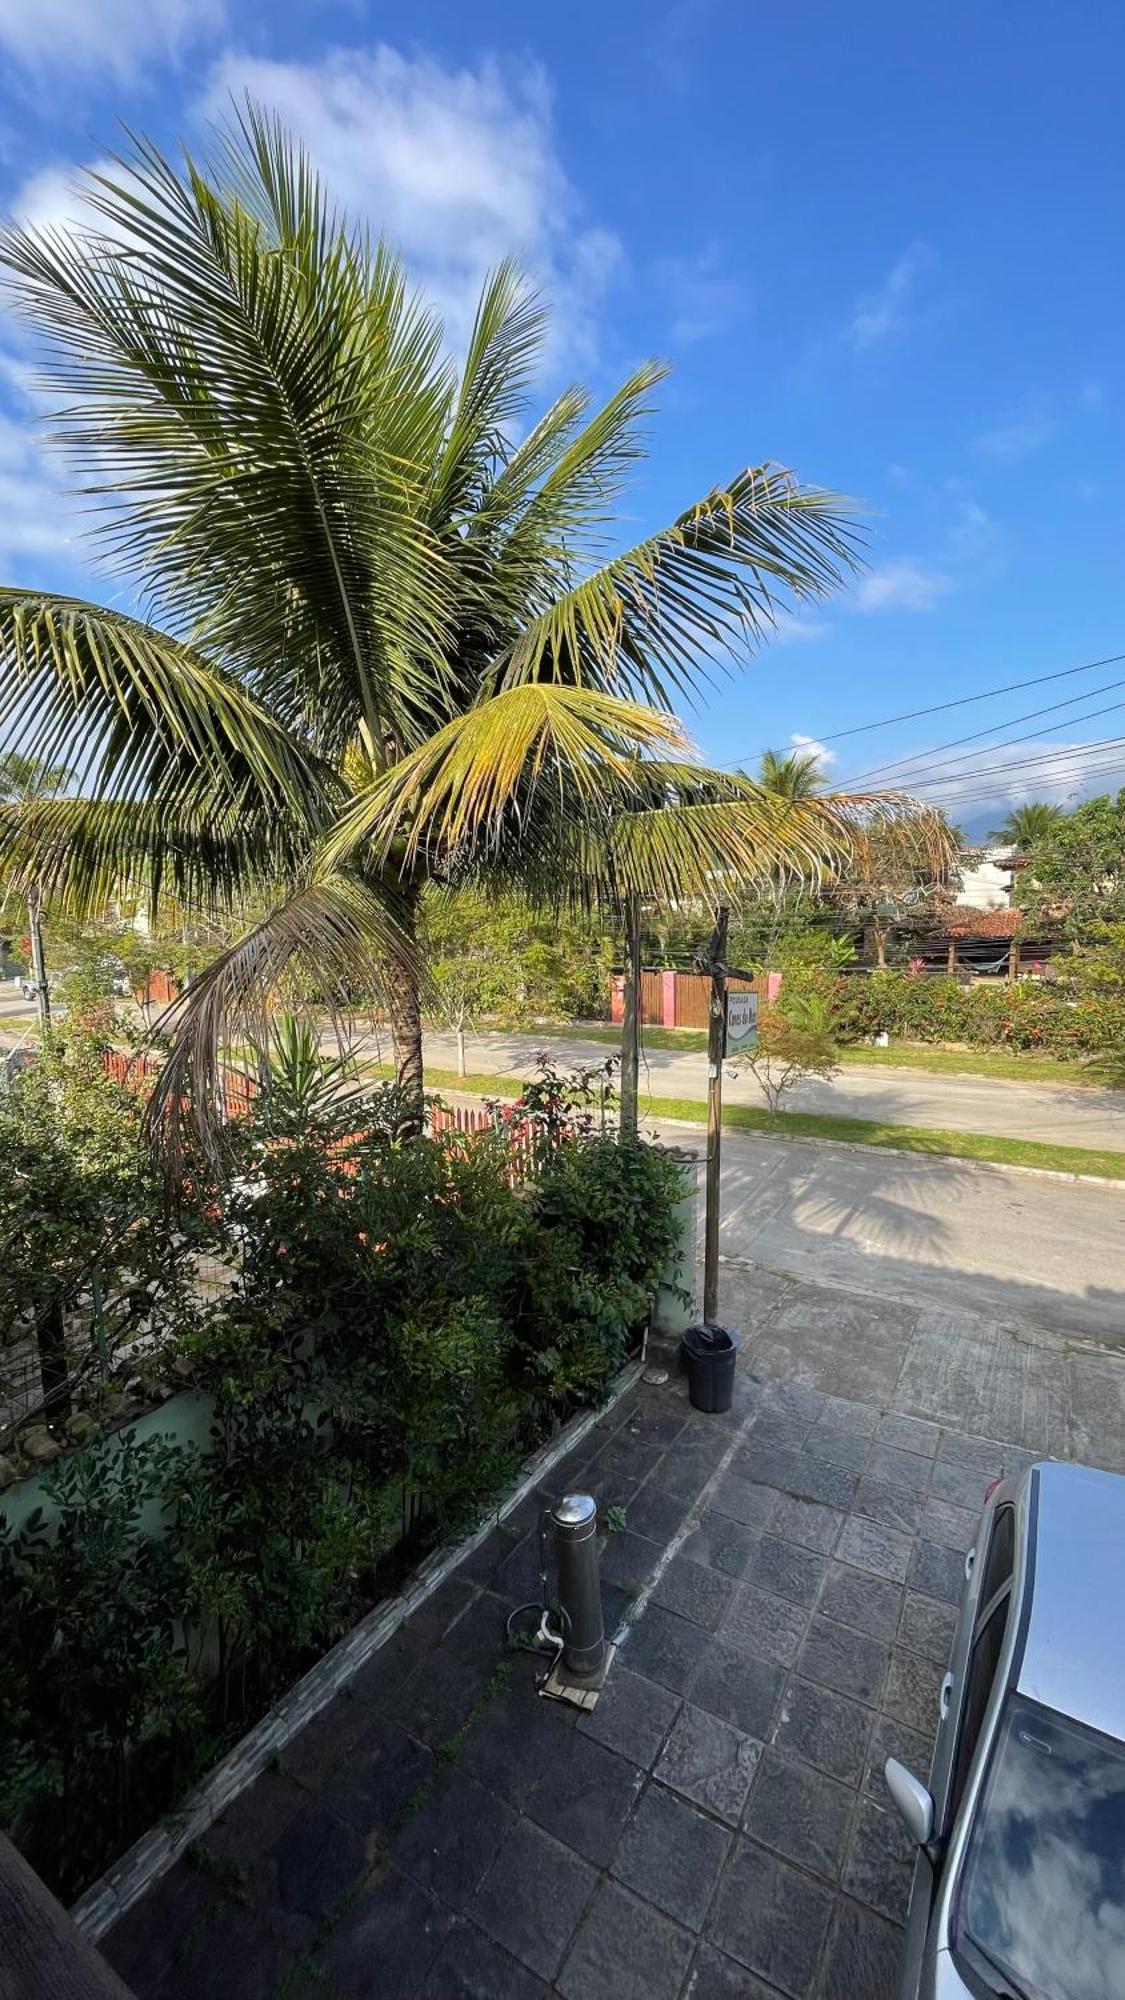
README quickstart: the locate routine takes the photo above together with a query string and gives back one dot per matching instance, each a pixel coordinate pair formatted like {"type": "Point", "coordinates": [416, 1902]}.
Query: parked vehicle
{"type": "Point", "coordinates": [1019, 1887]}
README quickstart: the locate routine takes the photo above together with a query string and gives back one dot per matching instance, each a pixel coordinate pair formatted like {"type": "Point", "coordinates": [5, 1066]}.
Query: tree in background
{"type": "Point", "coordinates": [498, 958]}
{"type": "Point", "coordinates": [26, 781]}
{"type": "Point", "coordinates": [796, 1039]}
{"type": "Point", "coordinates": [793, 774]}
{"type": "Point", "coordinates": [1026, 825]}
{"type": "Point", "coordinates": [1076, 869]}
{"type": "Point", "coordinates": [392, 649]}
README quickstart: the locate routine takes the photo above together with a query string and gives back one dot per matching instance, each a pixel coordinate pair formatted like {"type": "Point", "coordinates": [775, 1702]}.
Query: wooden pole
{"type": "Point", "coordinates": [1013, 961]}
{"type": "Point", "coordinates": [631, 1020]}
{"type": "Point", "coordinates": [44, 1956]}
{"type": "Point", "coordinates": [716, 1036]}
{"type": "Point", "coordinates": [38, 967]}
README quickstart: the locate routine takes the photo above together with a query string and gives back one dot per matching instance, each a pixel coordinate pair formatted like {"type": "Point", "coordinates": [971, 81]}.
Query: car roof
{"type": "Point", "coordinates": [1075, 1638]}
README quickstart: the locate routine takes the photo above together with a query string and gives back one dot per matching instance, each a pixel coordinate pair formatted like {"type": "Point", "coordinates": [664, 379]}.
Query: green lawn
{"type": "Point", "coordinates": [1001, 1064]}
{"type": "Point", "coordinates": [984, 1147]}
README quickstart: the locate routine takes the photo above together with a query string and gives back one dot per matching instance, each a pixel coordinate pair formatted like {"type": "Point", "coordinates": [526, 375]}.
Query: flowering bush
{"type": "Point", "coordinates": [1054, 1020]}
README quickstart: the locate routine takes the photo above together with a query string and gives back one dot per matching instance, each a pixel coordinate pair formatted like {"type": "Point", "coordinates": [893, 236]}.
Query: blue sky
{"type": "Point", "coordinates": [880, 244]}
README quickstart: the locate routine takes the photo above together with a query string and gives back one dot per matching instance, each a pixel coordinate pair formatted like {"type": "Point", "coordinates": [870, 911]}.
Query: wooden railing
{"type": "Point", "coordinates": [42, 1955]}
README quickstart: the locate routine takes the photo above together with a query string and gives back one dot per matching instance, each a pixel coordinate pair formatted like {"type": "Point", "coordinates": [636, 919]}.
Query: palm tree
{"type": "Point", "coordinates": [383, 640]}
{"type": "Point", "coordinates": [23, 781]}
{"type": "Point", "coordinates": [1027, 824]}
{"type": "Point", "coordinates": [792, 774]}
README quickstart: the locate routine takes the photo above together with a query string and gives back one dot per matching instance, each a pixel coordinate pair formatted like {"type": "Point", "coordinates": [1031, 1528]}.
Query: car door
{"type": "Point", "coordinates": [965, 1697]}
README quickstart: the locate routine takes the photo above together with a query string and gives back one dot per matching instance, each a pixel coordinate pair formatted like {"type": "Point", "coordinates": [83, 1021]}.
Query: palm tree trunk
{"type": "Point", "coordinates": [405, 1009]}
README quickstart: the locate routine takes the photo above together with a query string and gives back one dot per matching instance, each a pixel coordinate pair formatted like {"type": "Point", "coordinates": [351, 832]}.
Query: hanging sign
{"type": "Point", "coordinates": [742, 1024]}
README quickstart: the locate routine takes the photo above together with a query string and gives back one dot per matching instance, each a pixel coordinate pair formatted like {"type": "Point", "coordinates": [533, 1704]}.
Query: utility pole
{"type": "Point", "coordinates": [716, 1039]}
{"type": "Point", "coordinates": [631, 1019]}
{"type": "Point", "coordinates": [38, 968]}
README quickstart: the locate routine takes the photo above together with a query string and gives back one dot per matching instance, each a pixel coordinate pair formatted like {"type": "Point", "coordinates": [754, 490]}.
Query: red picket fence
{"type": "Point", "coordinates": [134, 1072]}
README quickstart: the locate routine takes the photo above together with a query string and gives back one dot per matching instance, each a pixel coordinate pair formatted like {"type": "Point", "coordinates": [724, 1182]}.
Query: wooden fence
{"type": "Point", "coordinates": [682, 999]}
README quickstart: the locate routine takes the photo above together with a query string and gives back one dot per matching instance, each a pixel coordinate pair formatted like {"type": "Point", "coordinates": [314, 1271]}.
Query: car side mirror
{"type": "Point", "coordinates": [914, 1803]}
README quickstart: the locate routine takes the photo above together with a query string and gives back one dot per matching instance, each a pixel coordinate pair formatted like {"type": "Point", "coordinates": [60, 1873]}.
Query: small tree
{"type": "Point", "coordinates": [793, 1044]}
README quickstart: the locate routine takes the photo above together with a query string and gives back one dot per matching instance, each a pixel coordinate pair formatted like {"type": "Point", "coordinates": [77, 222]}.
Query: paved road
{"type": "Point", "coordinates": [1065, 1115]}
{"type": "Point", "coordinates": [1014, 1247]}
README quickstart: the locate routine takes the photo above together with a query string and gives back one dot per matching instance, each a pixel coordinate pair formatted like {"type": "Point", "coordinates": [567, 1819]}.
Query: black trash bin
{"type": "Point", "coordinates": [709, 1354]}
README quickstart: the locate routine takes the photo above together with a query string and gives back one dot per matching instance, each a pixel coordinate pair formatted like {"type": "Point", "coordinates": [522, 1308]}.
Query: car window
{"type": "Point", "coordinates": [1001, 1554]}
{"type": "Point", "coordinates": [1042, 1896]}
{"type": "Point", "coordinates": [981, 1673]}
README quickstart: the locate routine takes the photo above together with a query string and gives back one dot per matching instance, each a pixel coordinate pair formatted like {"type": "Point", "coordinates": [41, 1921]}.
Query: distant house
{"type": "Point", "coordinates": [986, 879]}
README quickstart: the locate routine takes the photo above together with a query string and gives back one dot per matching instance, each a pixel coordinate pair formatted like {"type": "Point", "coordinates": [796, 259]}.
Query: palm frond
{"type": "Point", "coordinates": [332, 934]}
{"type": "Point", "coordinates": [136, 715]}
{"type": "Point", "coordinates": [654, 621]}
{"type": "Point", "coordinates": [481, 774]}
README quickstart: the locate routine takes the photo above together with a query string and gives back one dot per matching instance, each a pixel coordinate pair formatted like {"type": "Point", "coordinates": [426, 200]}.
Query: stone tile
{"type": "Point", "coordinates": [379, 1679]}
{"type": "Point", "coordinates": [510, 1745]}
{"type": "Point", "coordinates": [617, 1608]}
{"type": "Point", "coordinates": [901, 1469]}
{"type": "Point", "coordinates": [664, 1647]}
{"type": "Point", "coordinates": [686, 1468]}
{"type": "Point", "coordinates": [951, 1526]}
{"type": "Point", "coordinates": [632, 1716]}
{"type": "Point", "coordinates": [745, 1500]}
{"type": "Point", "coordinates": [893, 1739]}
{"type": "Point", "coordinates": [806, 1522]}
{"type": "Point", "coordinates": [824, 1729]}
{"type": "Point", "coordinates": [374, 1789]}
{"type": "Point", "coordinates": [392, 1924]}
{"type": "Point", "coordinates": [517, 1577]}
{"type": "Point", "coordinates": [624, 1948]}
{"type": "Point", "coordinates": [798, 1398]}
{"type": "Point", "coordinates": [837, 1448]}
{"type": "Point", "coordinates": [721, 1543]}
{"type": "Point", "coordinates": [470, 1967]}
{"type": "Point", "coordinates": [628, 1560]}
{"type": "Point", "coordinates": [863, 1957]}
{"type": "Point", "coordinates": [619, 1470]}
{"type": "Point", "coordinates": [738, 1687]}
{"type": "Point", "coordinates": [453, 1837]}
{"type": "Point", "coordinates": [781, 1428]}
{"type": "Point", "coordinates": [800, 1813]}
{"type": "Point", "coordinates": [482, 1564]}
{"type": "Point", "coordinates": [255, 1819]}
{"type": "Point", "coordinates": [764, 1624]}
{"type": "Point", "coordinates": [937, 1572]}
{"type": "Point", "coordinates": [766, 1464]}
{"type": "Point", "coordinates": [316, 1864]}
{"type": "Point", "coordinates": [843, 1413]}
{"type": "Point", "coordinates": [832, 1485]}
{"type": "Point", "coordinates": [436, 1700]}
{"type": "Point", "coordinates": [672, 1856]}
{"type": "Point", "coordinates": [656, 1514]}
{"type": "Point", "coordinates": [161, 1930]}
{"type": "Point", "coordinates": [927, 1627]}
{"type": "Point", "coordinates": [910, 1691]}
{"type": "Point", "coordinates": [786, 1569]}
{"type": "Point", "coordinates": [908, 1434]}
{"type": "Point", "coordinates": [532, 1898]}
{"type": "Point", "coordinates": [585, 1798]}
{"type": "Point", "coordinates": [708, 1762]}
{"type": "Point", "coordinates": [714, 1976]}
{"type": "Point", "coordinates": [652, 1423]}
{"type": "Point", "coordinates": [987, 1457]}
{"type": "Point", "coordinates": [694, 1592]}
{"type": "Point", "coordinates": [771, 1919]}
{"type": "Point", "coordinates": [889, 1505]}
{"type": "Point", "coordinates": [868, 1603]}
{"type": "Point", "coordinates": [867, 1545]}
{"type": "Point", "coordinates": [847, 1661]}
{"type": "Point", "coordinates": [324, 1742]}
{"type": "Point", "coordinates": [960, 1483]}
{"type": "Point", "coordinates": [880, 1862]}
{"type": "Point", "coordinates": [233, 1958]}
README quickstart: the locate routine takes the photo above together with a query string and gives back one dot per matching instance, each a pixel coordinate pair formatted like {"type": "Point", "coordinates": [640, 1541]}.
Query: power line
{"type": "Point", "coordinates": [963, 701]}
{"type": "Point", "coordinates": [923, 756]}
{"type": "Point", "coordinates": [1010, 743]}
{"type": "Point", "coordinates": [1079, 754]}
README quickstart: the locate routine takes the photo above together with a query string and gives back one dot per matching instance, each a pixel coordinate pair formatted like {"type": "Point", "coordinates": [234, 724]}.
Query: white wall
{"type": "Point", "coordinates": [986, 886]}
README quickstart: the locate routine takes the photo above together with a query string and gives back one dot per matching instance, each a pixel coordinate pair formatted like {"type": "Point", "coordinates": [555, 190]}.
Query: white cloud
{"type": "Point", "coordinates": [117, 37]}
{"type": "Point", "coordinates": [902, 585]}
{"type": "Point", "coordinates": [1057, 771]}
{"type": "Point", "coordinates": [53, 198]}
{"type": "Point", "coordinates": [34, 521]}
{"type": "Point", "coordinates": [882, 314]}
{"type": "Point", "coordinates": [704, 300]}
{"type": "Point", "coordinates": [457, 167]}
{"type": "Point", "coordinates": [811, 745]}
{"type": "Point", "coordinates": [790, 629]}
{"type": "Point", "coordinates": [974, 533]}
{"type": "Point", "coordinates": [1091, 396]}
{"type": "Point", "coordinates": [1020, 434]}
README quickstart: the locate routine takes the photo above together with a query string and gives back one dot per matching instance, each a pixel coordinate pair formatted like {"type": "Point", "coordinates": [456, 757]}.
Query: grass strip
{"type": "Point", "coordinates": [988, 1149]}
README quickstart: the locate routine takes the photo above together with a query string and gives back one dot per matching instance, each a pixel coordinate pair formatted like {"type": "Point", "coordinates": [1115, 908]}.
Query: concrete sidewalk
{"type": "Point", "coordinates": [1062, 1114]}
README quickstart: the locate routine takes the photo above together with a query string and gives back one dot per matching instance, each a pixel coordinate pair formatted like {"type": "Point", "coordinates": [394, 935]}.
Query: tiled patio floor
{"type": "Point", "coordinates": [715, 1827]}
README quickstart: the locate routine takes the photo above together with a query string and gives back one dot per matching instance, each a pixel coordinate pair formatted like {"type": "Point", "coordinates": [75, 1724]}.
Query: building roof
{"type": "Point", "coordinates": [1076, 1634]}
{"type": "Point", "coordinates": [967, 922]}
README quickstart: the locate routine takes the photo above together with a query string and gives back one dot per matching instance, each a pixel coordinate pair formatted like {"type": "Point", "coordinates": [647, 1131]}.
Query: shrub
{"type": "Point", "coordinates": [1032, 1017]}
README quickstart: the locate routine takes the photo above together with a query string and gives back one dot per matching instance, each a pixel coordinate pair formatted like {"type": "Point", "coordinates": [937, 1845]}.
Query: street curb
{"type": "Point", "coordinates": [107, 1900]}
{"type": "Point", "coordinates": [901, 1153]}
